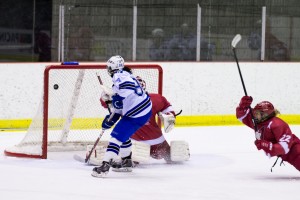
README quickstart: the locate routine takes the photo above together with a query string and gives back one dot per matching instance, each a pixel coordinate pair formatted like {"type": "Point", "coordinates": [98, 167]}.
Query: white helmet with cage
{"type": "Point", "coordinates": [114, 64]}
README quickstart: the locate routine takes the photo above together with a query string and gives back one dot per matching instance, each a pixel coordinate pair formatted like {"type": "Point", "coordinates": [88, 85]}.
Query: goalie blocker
{"type": "Point", "coordinates": [168, 121]}
{"type": "Point", "coordinates": [141, 152]}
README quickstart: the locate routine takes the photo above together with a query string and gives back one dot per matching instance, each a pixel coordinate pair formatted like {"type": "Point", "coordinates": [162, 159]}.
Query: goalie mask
{"type": "Point", "coordinates": [263, 111]}
{"type": "Point", "coordinates": [142, 82]}
{"type": "Point", "coordinates": [115, 63]}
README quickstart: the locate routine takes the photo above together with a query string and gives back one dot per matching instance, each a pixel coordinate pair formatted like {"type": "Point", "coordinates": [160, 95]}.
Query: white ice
{"type": "Point", "coordinates": [224, 165]}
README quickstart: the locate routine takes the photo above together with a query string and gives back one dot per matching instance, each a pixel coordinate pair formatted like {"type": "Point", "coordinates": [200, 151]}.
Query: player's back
{"type": "Point", "coordinates": [136, 102]}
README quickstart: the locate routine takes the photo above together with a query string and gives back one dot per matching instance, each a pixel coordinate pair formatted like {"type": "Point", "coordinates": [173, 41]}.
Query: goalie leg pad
{"type": "Point", "coordinates": [140, 152]}
{"type": "Point", "coordinates": [98, 153]}
{"type": "Point", "coordinates": [179, 151]}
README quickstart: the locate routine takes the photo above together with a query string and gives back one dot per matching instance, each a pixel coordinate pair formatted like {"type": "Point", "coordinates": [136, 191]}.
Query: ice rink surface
{"type": "Point", "coordinates": [224, 165]}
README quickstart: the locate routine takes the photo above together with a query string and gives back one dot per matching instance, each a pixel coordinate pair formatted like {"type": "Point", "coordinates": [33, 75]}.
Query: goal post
{"type": "Point", "coordinates": [70, 114]}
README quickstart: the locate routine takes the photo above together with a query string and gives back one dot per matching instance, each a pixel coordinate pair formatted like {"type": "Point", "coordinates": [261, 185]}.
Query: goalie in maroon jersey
{"type": "Point", "coordinates": [273, 135]}
{"type": "Point", "coordinates": [151, 133]}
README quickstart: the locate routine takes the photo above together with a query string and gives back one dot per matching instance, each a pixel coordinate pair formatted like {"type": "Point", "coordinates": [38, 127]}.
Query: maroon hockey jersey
{"type": "Point", "coordinates": [151, 130]}
{"type": "Point", "coordinates": [284, 143]}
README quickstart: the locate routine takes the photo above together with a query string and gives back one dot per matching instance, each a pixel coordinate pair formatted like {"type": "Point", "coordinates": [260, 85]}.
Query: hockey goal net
{"type": "Point", "coordinates": [70, 114]}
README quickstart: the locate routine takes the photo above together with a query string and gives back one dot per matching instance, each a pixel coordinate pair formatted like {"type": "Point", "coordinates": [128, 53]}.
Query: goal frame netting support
{"type": "Point", "coordinates": [44, 142]}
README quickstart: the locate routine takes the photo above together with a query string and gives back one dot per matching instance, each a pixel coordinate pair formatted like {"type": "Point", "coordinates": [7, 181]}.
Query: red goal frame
{"type": "Point", "coordinates": [46, 98]}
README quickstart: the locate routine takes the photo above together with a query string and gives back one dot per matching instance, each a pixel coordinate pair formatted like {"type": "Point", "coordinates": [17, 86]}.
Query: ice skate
{"type": "Point", "coordinates": [125, 165]}
{"type": "Point", "coordinates": [101, 171]}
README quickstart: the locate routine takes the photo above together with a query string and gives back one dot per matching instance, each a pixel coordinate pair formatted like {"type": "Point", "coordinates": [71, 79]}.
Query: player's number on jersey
{"type": "Point", "coordinates": [285, 138]}
{"type": "Point", "coordinates": [138, 89]}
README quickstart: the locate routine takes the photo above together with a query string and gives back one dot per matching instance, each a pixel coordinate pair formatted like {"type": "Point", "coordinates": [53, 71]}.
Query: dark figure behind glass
{"type": "Point", "coordinates": [42, 45]}
{"type": "Point", "coordinates": [275, 50]}
{"type": "Point", "coordinates": [182, 46]}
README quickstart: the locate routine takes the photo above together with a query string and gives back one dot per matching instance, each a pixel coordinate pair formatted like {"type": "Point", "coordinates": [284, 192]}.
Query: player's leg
{"type": "Point", "coordinates": [111, 153]}
{"type": "Point", "coordinates": [294, 156]}
{"type": "Point", "coordinates": [120, 134]}
{"type": "Point", "coordinates": [125, 164]}
{"type": "Point", "coordinates": [131, 125]}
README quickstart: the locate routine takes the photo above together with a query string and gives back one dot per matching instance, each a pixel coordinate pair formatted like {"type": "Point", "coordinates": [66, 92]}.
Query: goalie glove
{"type": "Point", "coordinates": [168, 120]}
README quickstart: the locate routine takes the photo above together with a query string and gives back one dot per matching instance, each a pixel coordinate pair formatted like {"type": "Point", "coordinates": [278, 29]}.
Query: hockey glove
{"type": "Point", "coordinates": [103, 103]}
{"type": "Point", "coordinates": [117, 101]}
{"type": "Point", "coordinates": [264, 145]}
{"type": "Point", "coordinates": [246, 101]}
{"type": "Point", "coordinates": [109, 121]}
{"type": "Point", "coordinates": [105, 98]}
{"type": "Point", "coordinates": [168, 120]}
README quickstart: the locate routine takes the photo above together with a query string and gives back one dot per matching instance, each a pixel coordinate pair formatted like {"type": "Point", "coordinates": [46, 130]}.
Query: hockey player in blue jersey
{"type": "Point", "coordinates": [132, 103]}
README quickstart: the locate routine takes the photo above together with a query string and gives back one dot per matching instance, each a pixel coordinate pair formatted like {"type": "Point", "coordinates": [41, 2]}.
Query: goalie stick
{"type": "Point", "coordinates": [178, 113]}
{"type": "Point", "coordinates": [234, 42]}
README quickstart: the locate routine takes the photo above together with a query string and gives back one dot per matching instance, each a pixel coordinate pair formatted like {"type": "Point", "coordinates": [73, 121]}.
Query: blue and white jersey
{"type": "Point", "coordinates": [136, 102]}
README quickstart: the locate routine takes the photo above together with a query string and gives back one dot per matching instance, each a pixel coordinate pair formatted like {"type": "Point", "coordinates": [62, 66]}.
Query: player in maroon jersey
{"type": "Point", "coordinates": [151, 133]}
{"type": "Point", "coordinates": [273, 135]}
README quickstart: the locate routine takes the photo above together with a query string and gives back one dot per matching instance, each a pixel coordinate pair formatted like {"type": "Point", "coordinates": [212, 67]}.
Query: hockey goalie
{"type": "Point", "coordinates": [149, 141]}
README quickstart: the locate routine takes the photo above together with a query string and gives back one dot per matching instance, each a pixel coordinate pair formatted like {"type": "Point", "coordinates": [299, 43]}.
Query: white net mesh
{"type": "Point", "coordinates": [74, 110]}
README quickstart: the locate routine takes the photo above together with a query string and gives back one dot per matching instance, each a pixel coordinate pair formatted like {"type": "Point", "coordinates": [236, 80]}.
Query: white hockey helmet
{"type": "Point", "coordinates": [114, 64]}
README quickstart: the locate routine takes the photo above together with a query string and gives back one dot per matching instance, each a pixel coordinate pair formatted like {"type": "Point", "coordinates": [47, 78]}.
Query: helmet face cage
{"type": "Point", "coordinates": [263, 111]}
{"type": "Point", "coordinates": [142, 82]}
{"type": "Point", "coordinates": [114, 64]}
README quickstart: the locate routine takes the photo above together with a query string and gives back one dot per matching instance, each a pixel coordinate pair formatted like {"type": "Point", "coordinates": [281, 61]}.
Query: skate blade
{"type": "Point", "coordinates": [123, 169]}
{"type": "Point", "coordinates": [101, 175]}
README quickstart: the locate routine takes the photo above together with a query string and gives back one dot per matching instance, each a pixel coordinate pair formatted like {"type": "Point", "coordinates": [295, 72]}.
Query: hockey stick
{"type": "Point", "coordinates": [102, 131]}
{"type": "Point", "coordinates": [97, 141]}
{"type": "Point", "coordinates": [105, 89]}
{"type": "Point", "coordinates": [234, 42]}
{"type": "Point", "coordinates": [176, 114]}
{"type": "Point", "coordinates": [93, 148]}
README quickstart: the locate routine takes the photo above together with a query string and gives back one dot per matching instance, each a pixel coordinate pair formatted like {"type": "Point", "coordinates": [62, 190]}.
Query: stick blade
{"type": "Point", "coordinates": [82, 160]}
{"type": "Point", "coordinates": [79, 158]}
{"type": "Point", "coordinates": [236, 40]}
